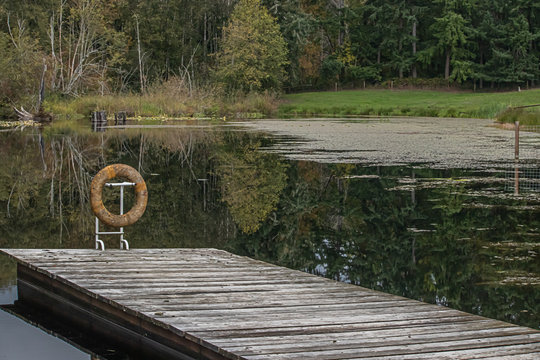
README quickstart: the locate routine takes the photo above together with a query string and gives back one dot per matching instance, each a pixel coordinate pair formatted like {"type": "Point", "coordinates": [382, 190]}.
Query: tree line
{"type": "Point", "coordinates": [99, 46]}
{"type": "Point", "coordinates": [482, 42]}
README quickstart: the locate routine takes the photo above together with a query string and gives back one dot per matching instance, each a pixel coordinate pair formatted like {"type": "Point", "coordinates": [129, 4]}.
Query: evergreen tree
{"type": "Point", "coordinates": [451, 32]}
{"type": "Point", "coordinates": [510, 36]}
{"type": "Point", "coordinates": [299, 29]}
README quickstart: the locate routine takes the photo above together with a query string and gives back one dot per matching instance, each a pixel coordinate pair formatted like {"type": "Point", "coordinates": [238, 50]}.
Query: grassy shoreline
{"type": "Point", "coordinates": [167, 105]}
{"type": "Point", "coordinates": [349, 103]}
{"type": "Point", "coordinates": [430, 103]}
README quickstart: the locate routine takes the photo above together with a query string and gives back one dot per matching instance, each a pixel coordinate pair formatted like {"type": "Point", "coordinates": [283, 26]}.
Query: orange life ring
{"type": "Point", "coordinates": [96, 201]}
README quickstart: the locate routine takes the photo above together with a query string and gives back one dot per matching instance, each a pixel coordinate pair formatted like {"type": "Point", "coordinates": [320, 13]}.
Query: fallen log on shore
{"type": "Point", "coordinates": [41, 116]}
{"type": "Point", "coordinates": [23, 114]}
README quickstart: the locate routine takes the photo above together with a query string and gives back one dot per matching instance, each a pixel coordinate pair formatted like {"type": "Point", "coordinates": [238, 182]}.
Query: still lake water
{"type": "Point", "coordinates": [457, 237]}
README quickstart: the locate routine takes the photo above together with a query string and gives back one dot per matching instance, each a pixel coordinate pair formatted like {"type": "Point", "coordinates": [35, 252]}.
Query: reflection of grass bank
{"type": "Point", "coordinates": [167, 104]}
{"type": "Point", "coordinates": [7, 271]}
{"type": "Point", "coordinates": [405, 103]}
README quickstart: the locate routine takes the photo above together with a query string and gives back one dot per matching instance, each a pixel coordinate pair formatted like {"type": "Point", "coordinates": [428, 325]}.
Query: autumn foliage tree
{"type": "Point", "coordinates": [254, 53]}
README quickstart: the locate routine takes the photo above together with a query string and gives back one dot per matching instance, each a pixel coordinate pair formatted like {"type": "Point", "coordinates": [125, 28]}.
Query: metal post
{"type": "Point", "coordinates": [99, 243]}
{"type": "Point", "coordinates": [121, 213]}
{"type": "Point", "coordinates": [123, 242]}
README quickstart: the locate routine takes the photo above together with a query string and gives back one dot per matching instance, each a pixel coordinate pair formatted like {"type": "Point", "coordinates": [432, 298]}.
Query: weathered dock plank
{"type": "Point", "coordinates": [210, 304]}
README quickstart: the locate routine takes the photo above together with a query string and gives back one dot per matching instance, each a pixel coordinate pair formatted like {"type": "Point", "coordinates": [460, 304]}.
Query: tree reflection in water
{"type": "Point", "coordinates": [215, 188]}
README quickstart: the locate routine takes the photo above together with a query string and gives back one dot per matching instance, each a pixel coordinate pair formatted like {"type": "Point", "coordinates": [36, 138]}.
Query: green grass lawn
{"type": "Point", "coordinates": [405, 103]}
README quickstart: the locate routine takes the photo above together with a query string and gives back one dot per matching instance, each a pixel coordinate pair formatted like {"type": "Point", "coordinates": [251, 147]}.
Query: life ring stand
{"type": "Point", "coordinates": [96, 189]}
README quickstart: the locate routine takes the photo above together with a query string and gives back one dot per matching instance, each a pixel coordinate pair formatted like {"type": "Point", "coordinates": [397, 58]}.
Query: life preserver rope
{"type": "Point", "coordinates": [96, 189]}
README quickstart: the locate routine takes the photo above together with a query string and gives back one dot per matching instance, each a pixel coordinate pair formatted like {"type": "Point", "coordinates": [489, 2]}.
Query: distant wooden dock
{"type": "Point", "coordinates": [210, 304]}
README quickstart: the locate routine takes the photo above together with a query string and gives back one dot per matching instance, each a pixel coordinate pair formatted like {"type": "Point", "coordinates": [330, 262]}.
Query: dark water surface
{"type": "Point", "coordinates": [453, 237]}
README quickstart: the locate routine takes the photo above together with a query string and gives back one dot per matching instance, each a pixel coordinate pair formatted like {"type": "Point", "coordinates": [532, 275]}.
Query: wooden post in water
{"type": "Point", "coordinates": [99, 121]}
{"type": "Point", "coordinates": [120, 118]}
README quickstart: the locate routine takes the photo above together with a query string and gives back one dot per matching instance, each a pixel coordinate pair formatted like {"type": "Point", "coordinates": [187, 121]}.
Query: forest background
{"type": "Point", "coordinates": [188, 54]}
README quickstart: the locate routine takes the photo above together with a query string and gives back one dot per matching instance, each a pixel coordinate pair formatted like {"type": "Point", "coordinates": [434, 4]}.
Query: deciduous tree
{"type": "Point", "coordinates": [254, 53]}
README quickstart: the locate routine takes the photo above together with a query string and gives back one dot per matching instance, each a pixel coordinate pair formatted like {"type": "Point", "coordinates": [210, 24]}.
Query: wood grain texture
{"type": "Point", "coordinates": [241, 308]}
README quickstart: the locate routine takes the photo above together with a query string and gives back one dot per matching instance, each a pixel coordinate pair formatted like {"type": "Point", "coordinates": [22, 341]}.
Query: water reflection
{"type": "Point", "coordinates": [27, 342]}
{"type": "Point", "coordinates": [451, 237]}
{"type": "Point", "coordinates": [8, 294]}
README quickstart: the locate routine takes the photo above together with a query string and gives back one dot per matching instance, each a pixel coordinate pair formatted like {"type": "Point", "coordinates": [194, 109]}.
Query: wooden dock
{"type": "Point", "coordinates": [210, 304]}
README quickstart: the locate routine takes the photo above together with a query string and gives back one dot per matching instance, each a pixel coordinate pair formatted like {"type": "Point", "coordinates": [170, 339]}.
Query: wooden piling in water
{"type": "Point", "coordinates": [120, 118]}
{"type": "Point", "coordinates": [99, 120]}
